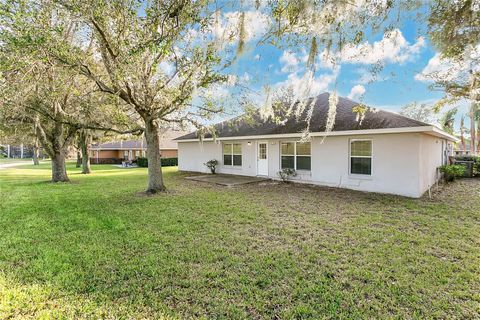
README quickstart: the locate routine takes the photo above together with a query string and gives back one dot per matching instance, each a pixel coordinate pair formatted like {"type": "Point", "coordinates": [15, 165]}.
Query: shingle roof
{"type": "Point", "coordinates": [345, 120]}
{"type": "Point", "coordinates": [166, 142]}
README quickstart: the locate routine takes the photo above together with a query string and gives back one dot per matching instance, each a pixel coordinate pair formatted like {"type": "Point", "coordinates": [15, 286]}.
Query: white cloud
{"type": "Point", "coordinates": [393, 48]}
{"type": "Point", "coordinates": [226, 26]}
{"type": "Point", "coordinates": [217, 92]}
{"type": "Point", "coordinates": [245, 77]}
{"type": "Point", "coordinates": [316, 85]}
{"type": "Point", "coordinates": [367, 77]}
{"type": "Point", "coordinates": [444, 69]}
{"type": "Point", "coordinates": [167, 67]}
{"type": "Point", "coordinates": [289, 61]}
{"type": "Point", "coordinates": [356, 92]}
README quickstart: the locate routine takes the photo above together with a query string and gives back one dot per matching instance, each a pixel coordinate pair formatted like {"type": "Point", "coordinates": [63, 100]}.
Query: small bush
{"type": "Point", "coordinates": [142, 162]}
{"type": "Point", "coordinates": [286, 173]}
{"type": "Point", "coordinates": [452, 171]}
{"type": "Point", "coordinates": [166, 162]}
{"type": "Point", "coordinates": [169, 162]}
{"type": "Point", "coordinates": [467, 157]}
{"type": "Point", "coordinates": [212, 165]}
{"type": "Point", "coordinates": [474, 159]}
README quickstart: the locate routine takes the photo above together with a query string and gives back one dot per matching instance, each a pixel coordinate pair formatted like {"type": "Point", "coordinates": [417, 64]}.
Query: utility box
{"type": "Point", "coordinates": [468, 166]}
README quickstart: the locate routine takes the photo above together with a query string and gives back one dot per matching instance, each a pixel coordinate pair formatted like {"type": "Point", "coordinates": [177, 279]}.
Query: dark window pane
{"type": "Point", "coordinates": [227, 160]}
{"type": "Point", "coordinates": [288, 162]}
{"type": "Point", "coordinates": [361, 166]}
{"type": "Point", "coordinates": [303, 163]}
{"type": "Point", "coordinates": [237, 160]}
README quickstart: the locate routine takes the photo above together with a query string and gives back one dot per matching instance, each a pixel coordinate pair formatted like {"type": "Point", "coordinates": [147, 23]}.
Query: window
{"type": "Point", "coordinates": [137, 153]}
{"type": "Point", "coordinates": [232, 154]}
{"type": "Point", "coordinates": [361, 157]}
{"type": "Point", "coordinates": [262, 151]}
{"type": "Point", "coordinates": [296, 155]}
{"type": "Point", "coordinates": [125, 155]}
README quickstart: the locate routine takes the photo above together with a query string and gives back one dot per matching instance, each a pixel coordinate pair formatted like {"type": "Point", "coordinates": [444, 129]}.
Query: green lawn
{"type": "Point", "coordinates": [96, 248]}
{"type": "Point", "coordinates": [9, 160]}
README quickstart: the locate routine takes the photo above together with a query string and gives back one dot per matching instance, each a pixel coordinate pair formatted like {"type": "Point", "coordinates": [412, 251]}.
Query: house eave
{"type": "Point", "coordinates": [431, 130]}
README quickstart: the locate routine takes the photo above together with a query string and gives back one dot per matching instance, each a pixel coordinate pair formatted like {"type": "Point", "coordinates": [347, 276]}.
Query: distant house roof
{"type": "Point", "coordinates": [166, 142]}
{"type": "Point", "coordinates": [345, 120]}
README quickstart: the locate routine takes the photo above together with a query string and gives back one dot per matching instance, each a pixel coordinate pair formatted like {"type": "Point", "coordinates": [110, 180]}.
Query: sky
{"type": "Point", "coordinates": [404, 54]}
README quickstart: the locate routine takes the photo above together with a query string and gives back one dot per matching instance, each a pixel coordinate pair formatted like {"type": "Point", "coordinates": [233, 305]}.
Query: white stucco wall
{"type": "Point", "coordinates": [403, 164]}
{"type": "Point", "coordinates": [434, 153]}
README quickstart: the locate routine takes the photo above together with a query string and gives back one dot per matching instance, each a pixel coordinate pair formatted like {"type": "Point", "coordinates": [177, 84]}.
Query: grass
{"type": "Point", "coordinates": [9, 160]}
{"type": "Point", "coordinates": [96, 248]}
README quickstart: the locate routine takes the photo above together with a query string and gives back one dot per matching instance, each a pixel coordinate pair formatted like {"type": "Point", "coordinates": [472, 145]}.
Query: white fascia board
{"type": "Point", "coordinates": [424, 129]}
{"type": "Point", "coordinates": [440, 133]}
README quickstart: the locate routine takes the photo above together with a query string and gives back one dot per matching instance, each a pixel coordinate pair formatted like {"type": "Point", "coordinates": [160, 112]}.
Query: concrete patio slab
{"type": "Point", "coordinates": [228, 180]}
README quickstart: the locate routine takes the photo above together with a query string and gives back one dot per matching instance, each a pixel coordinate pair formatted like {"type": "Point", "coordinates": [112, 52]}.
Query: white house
{"type": "Point", "coordinates": [385, 152]}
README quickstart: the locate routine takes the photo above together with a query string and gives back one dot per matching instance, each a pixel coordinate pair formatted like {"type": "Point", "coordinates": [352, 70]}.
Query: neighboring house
{"type": "Point", "coordinates": [130, 150]}
{"type": "Point", "coordinates": [464, 149]}
{"type": "Point", "coordinates": [385, 152]}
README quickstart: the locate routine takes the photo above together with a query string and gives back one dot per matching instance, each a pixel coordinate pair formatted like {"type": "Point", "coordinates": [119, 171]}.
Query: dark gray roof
{"type": "Point", "coordinates": [345, 119]}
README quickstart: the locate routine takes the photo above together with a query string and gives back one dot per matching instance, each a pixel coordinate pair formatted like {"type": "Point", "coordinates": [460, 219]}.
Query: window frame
{"type": "Point", "coordinates": [360, 175]}
{"type": "Point", "coordinates": [232, 154]}
{"type": "Point", "coordinates": [295, 155]}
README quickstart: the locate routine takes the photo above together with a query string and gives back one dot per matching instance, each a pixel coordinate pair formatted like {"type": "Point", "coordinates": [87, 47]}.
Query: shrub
{"type": "Point", "coordinates": [452, 171]}
{"type": "Point", "coordinates": [286, 173]}
{"type": "Point", "coordinates": [474, 159]}
{"type": "Point", "coordinates": [142, 162]}
{"type": "Point", "coordinates": [212, 165]}
{"type": "Point", "coordinates": [467, 157]}
{"type": "Point", "coordinates": [166, 162]}
{"type": "Point", "coordinates": [169, 162]}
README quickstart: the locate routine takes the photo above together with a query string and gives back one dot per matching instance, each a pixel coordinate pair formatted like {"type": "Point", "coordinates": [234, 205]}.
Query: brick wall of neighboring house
{"type": "Point", "coordinates": [169, 153]}
{"type": "Point", "coordinates": [105, 160]}
{"type": "Point", "coordinates": [117, 156]}
{"type": "Point", "coordinates": [109, 154]}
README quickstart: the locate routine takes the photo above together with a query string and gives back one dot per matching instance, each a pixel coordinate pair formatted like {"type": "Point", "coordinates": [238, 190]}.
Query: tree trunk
{"type": "Point", "coordinates": [35, 153]}
{"type": "Point", "coordinates": [59, 168]}
{"type": "Point", "coordinates": [56, 145]}
{"type": "Point", "coordinates": [478, 133]}
{"type": "Point", "coordinates": [155, 177]}
{"type": "Point", "coordinates": [472, 129]}
{"type": "Point", "coordinates": [84, 146]}
{"type": "Point", "coordinates": [79, 158]}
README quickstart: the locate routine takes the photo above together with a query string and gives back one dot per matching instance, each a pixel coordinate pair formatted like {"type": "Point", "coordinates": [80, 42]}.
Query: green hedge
{"type": "Point", "coordinates": [476, 164]}
{"type": "Point", "coordinates": [142, 162]}
{"type": "Point", "coordinates": [475, 159]}
{"type": "Point", "coordinates": [166, 162]}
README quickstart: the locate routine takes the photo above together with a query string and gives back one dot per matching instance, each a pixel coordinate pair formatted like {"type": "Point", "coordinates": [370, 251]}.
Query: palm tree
{"type": "Point", "coordinates": [448, 120]}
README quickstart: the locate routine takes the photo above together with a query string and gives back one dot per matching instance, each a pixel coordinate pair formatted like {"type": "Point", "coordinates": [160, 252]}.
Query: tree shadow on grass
{"type": "Point", "coordinates": [100, 250]}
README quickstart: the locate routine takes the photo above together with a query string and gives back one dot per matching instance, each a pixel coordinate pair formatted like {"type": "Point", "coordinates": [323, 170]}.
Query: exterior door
{"type": "Point", "coordinates": [262, 159]}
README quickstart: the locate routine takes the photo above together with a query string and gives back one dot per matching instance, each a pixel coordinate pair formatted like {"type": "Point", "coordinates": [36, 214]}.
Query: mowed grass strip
{"type": "Point", "coordinates": [97, 248]}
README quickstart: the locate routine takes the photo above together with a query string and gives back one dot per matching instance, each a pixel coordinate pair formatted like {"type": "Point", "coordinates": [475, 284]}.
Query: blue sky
{"type": "Point", "coordinates": [394, 87]}
{"type": "Point", "coordinates": [403, 53]}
